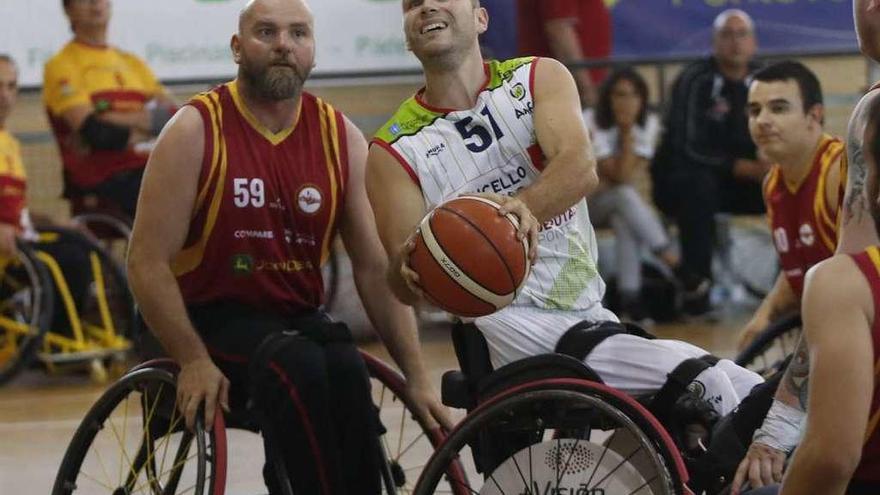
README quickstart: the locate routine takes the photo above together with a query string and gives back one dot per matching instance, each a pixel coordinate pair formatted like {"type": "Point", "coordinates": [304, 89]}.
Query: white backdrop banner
{"type": "Point", "coordinates": [189, 39]}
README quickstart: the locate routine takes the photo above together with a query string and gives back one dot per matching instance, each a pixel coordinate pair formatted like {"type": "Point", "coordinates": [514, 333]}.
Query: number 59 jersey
{"type": "Point", "coordinates": [493, 147]}
{"type": "Point", "coordinates": [267, 208]}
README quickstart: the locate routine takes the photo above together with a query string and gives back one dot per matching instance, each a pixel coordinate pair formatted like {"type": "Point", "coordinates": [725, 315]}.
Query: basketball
{"type": "Point", "coordinates": [468, 258]}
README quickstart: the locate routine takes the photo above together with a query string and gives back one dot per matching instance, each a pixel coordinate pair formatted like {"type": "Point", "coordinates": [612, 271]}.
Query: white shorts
{"type": "Point", "coordinates": [634, 365]}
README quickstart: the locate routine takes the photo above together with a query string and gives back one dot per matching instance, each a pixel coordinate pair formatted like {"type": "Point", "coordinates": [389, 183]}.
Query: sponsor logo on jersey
{"type": "Point", "coordinates": [528, 110]}
{"type": "Point", "coordinates": [276, 204]}
{"type": "Point", "coordinates": [254, 234]}
{"type": "Point", "coordinates": [242, 264]}
{"type": "Point", "coordinates": [518, 91]}
{"type": "Point", "coordinates": [285, 266]}
{"type": "Point", "coordinates": [288, 236]}
{"type": "Point", "coordinates": [309, 199]}
{"type": "Point", "coordinates": [808, 237]}
{"type": "Point", "coordinates": [394, 129]}
{"type": "Point", "coordinates": [307, 239]}
{"type": "Point", "coordinates": [436, 150]}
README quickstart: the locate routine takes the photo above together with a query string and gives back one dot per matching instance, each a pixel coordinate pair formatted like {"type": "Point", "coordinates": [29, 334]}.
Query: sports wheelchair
{"type": "Point", "coordinates": [547, 424]}
{"type": "Point", "coordinates": [42, 317]}
{"type": "Point", "coordinates": [768, 352]}
{"type": "Point", "coordinates": [133, 441]}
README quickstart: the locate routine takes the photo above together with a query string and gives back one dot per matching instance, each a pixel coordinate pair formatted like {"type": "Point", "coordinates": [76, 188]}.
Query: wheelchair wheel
{"type": "Point", "coordinates": [133, 440]}
{"type": "Point", "coordinates": [113, 232]}
{"type": "Point", "coordinates": [766, 354]}
{"type": "Point", "coordinates": [407, 442]}
{"type": "Point", "coordinates": [26, 303]}
{"type": "Point", "coordinates": [563, 436]}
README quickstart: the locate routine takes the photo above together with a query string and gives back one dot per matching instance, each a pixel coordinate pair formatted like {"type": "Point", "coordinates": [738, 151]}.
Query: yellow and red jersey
{"type": "Point", "coordinates": [803, 224]}
{"type": "Point", "coordinates": [868, 471]}
{"type": "Point", "coordinates": [13, 182]}
{"type": "Point", "coordinates": [268, 205]}
{"type": "Point", "coordinates": [106, 79]}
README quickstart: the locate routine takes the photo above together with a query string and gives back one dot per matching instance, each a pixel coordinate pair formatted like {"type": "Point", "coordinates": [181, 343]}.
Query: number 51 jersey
{"type": "Point", "coordinates": [492, 147]}
{"type": "Point", "coordinates": [267, 208]}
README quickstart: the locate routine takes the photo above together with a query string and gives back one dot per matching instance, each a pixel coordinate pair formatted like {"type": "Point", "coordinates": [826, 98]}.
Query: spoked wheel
{"type": "Point", "coordinates": [407, 441]}
{"type": "Point", "coordinates": [134, 441]}
{"type": "Point", "coordinates": [766, 354]}
{"type": "Point", "coordinates": [26, 303]}
{"type": "Point", "coordinates": [561, 436]}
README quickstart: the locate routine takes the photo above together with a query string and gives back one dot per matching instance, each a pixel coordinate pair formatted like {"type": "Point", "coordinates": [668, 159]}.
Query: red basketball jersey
{"type": "Point", "coordinates": [267, 207]}
{"type": "Point", "coordinates": [868, 471]}
{"type": "Point", "coordinates": [804, 226]}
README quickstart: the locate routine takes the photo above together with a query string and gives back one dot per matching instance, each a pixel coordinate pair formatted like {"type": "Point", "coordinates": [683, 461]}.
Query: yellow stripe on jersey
{"type": "Point", "coordinates": [209, 100]}
{"type": "Point", "coordinates": [330, 140]}
{"type": "Point", "coordinates": [190, 258]}
{"type": "Point", "coordinates": [769, 187]}
{"type": "Point", "coordinates": [272, 137]}
{"type": "Point", "coordinates": [825, 224]}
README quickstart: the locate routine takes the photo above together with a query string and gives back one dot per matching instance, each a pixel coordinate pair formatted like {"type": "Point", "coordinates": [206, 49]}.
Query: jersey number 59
{"type": "Point", "coordinates": [249, 192]}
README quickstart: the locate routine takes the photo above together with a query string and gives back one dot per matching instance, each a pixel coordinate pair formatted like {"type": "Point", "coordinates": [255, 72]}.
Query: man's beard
{"type": "Point", "coordinates": [273, 82]}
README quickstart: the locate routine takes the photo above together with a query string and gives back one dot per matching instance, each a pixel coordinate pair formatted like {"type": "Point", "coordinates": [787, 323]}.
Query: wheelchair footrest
{"type": "Point", "coordinates": [455, 392]}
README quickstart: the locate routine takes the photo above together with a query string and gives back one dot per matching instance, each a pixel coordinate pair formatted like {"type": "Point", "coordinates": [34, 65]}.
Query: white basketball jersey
{"type": "Point", "coordinates": [492, 147]}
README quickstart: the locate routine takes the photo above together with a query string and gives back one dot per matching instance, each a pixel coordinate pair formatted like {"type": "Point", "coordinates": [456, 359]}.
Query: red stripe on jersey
{"type": "Point", "coordinates": [537, 156]}
{"type": "Point", "coordinates": [400, 159]}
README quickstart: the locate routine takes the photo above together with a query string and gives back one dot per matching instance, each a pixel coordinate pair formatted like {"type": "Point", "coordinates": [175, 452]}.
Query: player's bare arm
{"type": "Point", "coordinates": [571, 168]}
{"type": "Point", "coordinates": [395, 322]}
{"type": "Point", "coordinates": [838, 313]}
{"type": "Point", "coordinates": [398, 206]}
{"type": "Point", "coordinates": [167, 197]}
{"type": "Point", "coordinates": [570, 172]}
{"type": "Point", "coordinates": [780, 300]}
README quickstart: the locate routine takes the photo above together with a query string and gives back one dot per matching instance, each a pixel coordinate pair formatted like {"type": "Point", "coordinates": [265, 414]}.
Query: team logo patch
{"type": "Point", "coordinates": [808, 237]}
{"type": "Point", "coordinates": [394, 129]}
{"type": "Point", "coordinates": [697, 388]}
{"type": "Point", "coordinates": [242, 264]}
{"type": "Point", "coordinates": [309, 199]}
{"type": "Point", "coordinates": [518, 91]}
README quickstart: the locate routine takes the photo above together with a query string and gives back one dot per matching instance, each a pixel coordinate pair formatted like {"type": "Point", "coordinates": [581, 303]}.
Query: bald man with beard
{"type": "Point", "coordinates": [243, 195]}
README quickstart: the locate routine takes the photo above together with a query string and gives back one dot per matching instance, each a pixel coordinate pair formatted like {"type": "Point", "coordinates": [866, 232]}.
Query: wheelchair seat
{"type": "Point", "coordinates": [478, 380]}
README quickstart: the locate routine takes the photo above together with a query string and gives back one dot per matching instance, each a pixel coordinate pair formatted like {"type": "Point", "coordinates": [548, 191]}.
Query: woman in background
{"type": "Point", "coordinates": [624, 134]}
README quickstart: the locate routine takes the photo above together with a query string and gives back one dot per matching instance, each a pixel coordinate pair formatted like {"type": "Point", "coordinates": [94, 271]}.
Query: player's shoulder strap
{"type": "Point", "coordinates": [409, 119]}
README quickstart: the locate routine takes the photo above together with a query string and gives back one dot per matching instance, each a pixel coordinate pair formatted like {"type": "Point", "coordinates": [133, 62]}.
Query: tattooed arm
{"type": "Point", "coordinates": [838, 314]}
{"type": "Point", "coordinates": [857, 230]}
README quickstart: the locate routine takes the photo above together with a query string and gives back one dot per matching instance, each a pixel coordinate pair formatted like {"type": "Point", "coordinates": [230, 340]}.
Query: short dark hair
{"type": "Point", "coordinates": [5, 57]}
{"type": "Point", "coordinates": [604, 113]}
{"type": "Point", "coordinates": [790, 70]}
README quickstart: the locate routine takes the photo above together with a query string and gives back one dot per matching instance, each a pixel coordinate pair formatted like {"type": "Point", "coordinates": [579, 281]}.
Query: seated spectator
{"type": "Point", "coordinates": [624, 136]}
{"type": "Point", "coordinates": [706, 162]}
{"type": "Point", "coordinates": [106, 107]}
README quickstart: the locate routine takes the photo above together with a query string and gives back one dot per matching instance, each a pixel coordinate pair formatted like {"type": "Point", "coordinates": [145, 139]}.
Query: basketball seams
{"type": "Point", "coordinates": [486, 238]}
{"type": "Point", "coordinates": [463, 280]}
{"type": "Point", "coordinates": [515, 222]}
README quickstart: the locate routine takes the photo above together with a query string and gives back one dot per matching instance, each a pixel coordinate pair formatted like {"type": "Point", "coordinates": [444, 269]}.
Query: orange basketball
{"type": "Point", "coordinates": [468, 258]}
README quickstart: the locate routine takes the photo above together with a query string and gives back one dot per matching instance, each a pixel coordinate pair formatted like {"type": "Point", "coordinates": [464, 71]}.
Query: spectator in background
{"type": "Point", "coordinates": [707, 162]}
{"type": "Point", "coordinates": [570, 31]}
{"type": "Point", "coordinates": [105, 107]}
{"type": "Point", "coordinates": [499, 41]}
{"type": "Point", "coordinates": [624, 136]}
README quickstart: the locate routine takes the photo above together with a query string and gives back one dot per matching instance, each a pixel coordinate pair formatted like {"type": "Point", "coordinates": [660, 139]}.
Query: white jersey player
{"type": "Point", "coordinates": [513, 132]}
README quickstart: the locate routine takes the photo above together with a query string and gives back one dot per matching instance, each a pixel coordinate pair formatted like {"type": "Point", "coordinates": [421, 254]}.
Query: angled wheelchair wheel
{"type": "Point", "coordinates": [100, 312]}
{"type": "Point", "coordinates": [112, 231]}
{"type": "Point", "coordinates": [767, 353]}
{"type": "Point", "coordinates": [133, 440]}
{"type": "Point", "coordinates": [562, 436]}
{"type": "Point", "coordinates": [407, 442]}
{"type": "Point", "coordinates": [26, 303]}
